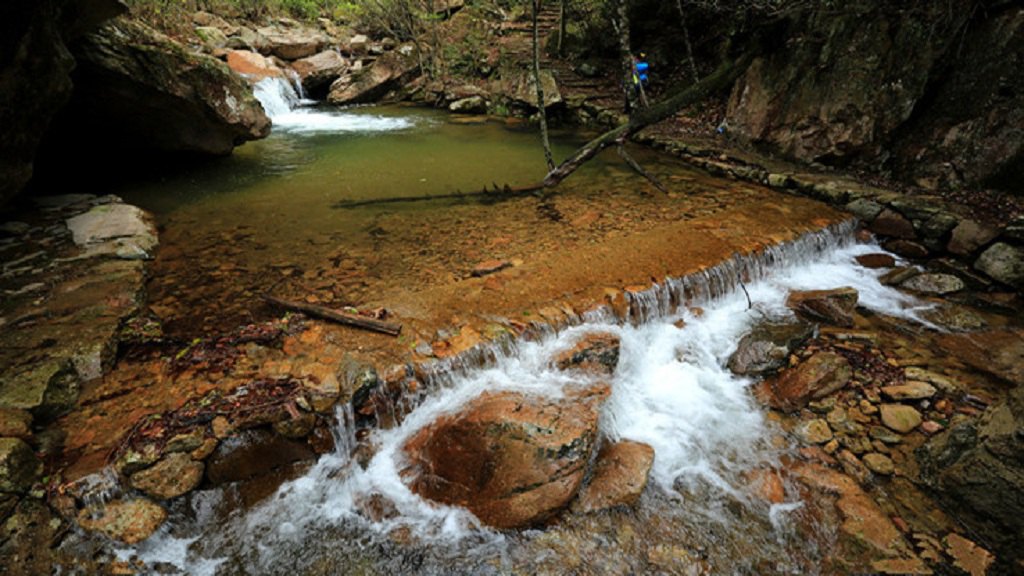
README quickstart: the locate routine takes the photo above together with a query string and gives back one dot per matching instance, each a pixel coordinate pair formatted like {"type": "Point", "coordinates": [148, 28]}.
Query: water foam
{"type": "Point", "coordinates": [671, 390]}
{"type": "Point", "coordinates": [291, 113]}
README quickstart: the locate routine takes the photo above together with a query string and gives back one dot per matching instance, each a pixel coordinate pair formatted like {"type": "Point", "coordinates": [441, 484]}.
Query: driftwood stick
{"type": "Point", "coordinates": [497, 194]}
{"type": "Point", "coordinates": [640, 169]}
{"type": "Point", "coordinates": [338, 316]}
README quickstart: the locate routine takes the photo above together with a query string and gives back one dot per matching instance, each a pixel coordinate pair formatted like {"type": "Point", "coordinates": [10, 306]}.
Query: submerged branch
{"type": "Point", "coordinates": [497, 193]}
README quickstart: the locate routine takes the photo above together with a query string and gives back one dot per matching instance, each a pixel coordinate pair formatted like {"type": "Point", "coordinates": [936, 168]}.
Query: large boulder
{"type": "Point", "coordinates": [19, 467]}
{"type": "Point", "coordinates": [129, 520]}
{"type": "Point", "coordinates": [521, 89]}
{"type": "Point", "coordinates": [319, 71]}
{"type": "Point", "coordinates": [138, 89]}
{"type": "Point", "coordinates": [389, 72]}
{"type": "Point", "coordinates": [767, 347]}
{"type": "Point", "coordinates": [595, 353]}
{"type": "Point", "coordinates": [513, 460]}
{"type": "Point", "coordinates": [292, 43]}
{"type": "Point", "coordinates": [34, 75]}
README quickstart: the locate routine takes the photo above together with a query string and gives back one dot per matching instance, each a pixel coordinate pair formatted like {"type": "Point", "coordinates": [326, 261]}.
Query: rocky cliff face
{"type": "Point", "coordinates": [931, 92]}
{"type": "Point", "coordinates": [34, 75]}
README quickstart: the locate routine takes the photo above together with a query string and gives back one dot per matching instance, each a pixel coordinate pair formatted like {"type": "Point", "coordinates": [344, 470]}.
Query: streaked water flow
{"type": "Point", "coordinates": [671, 390]}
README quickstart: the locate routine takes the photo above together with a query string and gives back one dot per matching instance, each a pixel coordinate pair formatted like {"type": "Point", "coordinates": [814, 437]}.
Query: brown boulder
{"type": "Point", "coordinates": [891, 223]}
{"type": "Point", "coordinates": [293, 43]}
{"type": "Point", "coordinates": [390, 71]}
{"type": "Point", "coordinates": [997, 352]}
{"type": "Point", "coordinates": [879, 260]}
{"type": "Point", "coordinates": [596, 353]}
{"type": "Point", "coordinates": [969, 236]}
{"type": "Point", "coordinates": [512, 460]}
{"type": "Point", "coordinates": [767, 347]}
{"type": "Point", "coordinates": [828, 306]}
{"type": "Point", "coordinates": [254, 67]}
{"type": "Point", "coordinates": [817, 377]}
{"type": "Point", "coordinates": [620, 476]}
{"type": "Point", "coordinates": [317, 72]}
{"type": "Point", "coordinates": [252, 454]}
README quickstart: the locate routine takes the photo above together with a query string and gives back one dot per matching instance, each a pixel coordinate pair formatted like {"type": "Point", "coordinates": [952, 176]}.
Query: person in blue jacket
{"type": "Point", "coordinates": [638, 81]}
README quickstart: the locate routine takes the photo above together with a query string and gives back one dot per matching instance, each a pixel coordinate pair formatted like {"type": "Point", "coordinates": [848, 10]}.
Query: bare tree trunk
{"type": "Point", "coordinates": [686, 41]}
{"type": "Point", "coordinates": [535, 4]}
{"type": "Point", "coordinates": [626, 53]}
{"type": "Point", "coordinates": [561, 25]}
{"type": "Point", "coordinates": [719, 80]}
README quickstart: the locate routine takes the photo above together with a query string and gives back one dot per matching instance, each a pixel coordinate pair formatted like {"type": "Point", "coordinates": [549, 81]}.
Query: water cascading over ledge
{"type": "Point", "coordinates": [671, 391]}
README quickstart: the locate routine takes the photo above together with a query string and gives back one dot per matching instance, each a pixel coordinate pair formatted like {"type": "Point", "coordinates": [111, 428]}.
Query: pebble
{"type": "Point", "coordinates": [931, 427]}
{"type": "Point", "coordinates": [866, 407]}
{"type": "Point", "coordinates": [831, 447]}
{"type": "Point", "coordinates": [879, 463]}
{"type": "Point", "coordinates": [912, 390]}
{"type": "Point", "coordinates": [815, 432]}
{"type": "Point", "coordinates": [885, 435]}
{"type": "Point", "coordinates": [900, 418]}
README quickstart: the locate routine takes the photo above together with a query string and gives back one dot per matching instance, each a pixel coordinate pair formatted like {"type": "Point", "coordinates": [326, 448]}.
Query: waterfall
{"type": "Point", "coordinates": [289, 111]}
{"type": "Point", "coordinates": [671, 390]}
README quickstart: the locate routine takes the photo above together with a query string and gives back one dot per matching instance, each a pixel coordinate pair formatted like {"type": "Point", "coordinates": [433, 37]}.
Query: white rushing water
{"type": "Point", "coordinates": [671, 390]}
{"type": "Point", "coordinates": [291, 113]}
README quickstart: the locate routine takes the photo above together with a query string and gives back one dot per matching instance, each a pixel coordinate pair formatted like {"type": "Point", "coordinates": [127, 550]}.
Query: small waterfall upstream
{"type": "Point", "coordinates": [290, 111]}
{"type": "Point", "coordinates": [671, 390]}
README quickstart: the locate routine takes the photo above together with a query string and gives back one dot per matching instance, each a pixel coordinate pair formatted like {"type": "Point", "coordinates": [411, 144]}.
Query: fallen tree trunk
{"type": "Point", "coordinates": [338, 316]}
{"type": "Point", "coordinates": [719, 80]}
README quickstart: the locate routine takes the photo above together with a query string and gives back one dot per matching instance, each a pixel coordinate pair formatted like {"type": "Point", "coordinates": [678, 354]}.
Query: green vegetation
{"type": "Point", "coordinates": [164, 11]}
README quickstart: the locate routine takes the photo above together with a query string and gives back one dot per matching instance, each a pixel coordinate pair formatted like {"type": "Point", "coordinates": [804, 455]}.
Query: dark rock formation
{"type": "Point", "coordinates": [828, 306]}
{"type": "Point", "coordinates": [34, 75]}
{"type": "Point", "coordinates": [767, 347]}
{"type": "Point", "coordinates": [177, 100]}
{"type": "Point", "coordinates": [817, 377]}
{"type": "Point", "coordinates": [977, 469]}
{"type": "Point", "coordinates": [594, 353]}
{"type": "Point", "coordinates": [931, 91]}
{"type": "Point", "coordinates": [512, 460]}
{"type": "Point", "coordinates": [389, 72]}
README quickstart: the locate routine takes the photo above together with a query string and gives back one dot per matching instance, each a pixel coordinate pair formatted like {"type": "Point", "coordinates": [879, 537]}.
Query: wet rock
{"type": "Point", "coordinates": [893, 224]}
{"type": "Point", "coordinates": [169, 478]}
{"type": "Point", "coordinates": [996, 352]}
{"type": "Point", "coordinates": [511, 459]}
{"type": "Point", "coordinates": [815, 432]}
{"type": "Point", "coordinates": [906, 248]}
{"type": "Point", "coordinates": [19, 467]}
{"type": "Point", "coordinates": [817, 377]}
{"type": "Point", "coordinates": [252, 454]}
{"type": "Point", "coordinates": [369, 84]}
{"type": "Point", "coordinates": [253, 66]}
{"type": "Point", "coordinates": [931, 427]}
{"type": "Point", "coordinates": [897, 276]}
{"type": "Point", "coordinates": [176, 100]}
{"type": "Point", "coordinates": [943, 383]}
{"type": "Point", "coordinates": [938, 284]}
{"type": "Point", "coordinates": [967, 555]}
{"type": "Point", "coordinates": [829, 306]}
{"type": "Point", "coordinates": [121, 230]}
{"type": "Point", "coordinates": [955, 317]}
{"type": "Point", "coordinates": [969, 236]}
{"type": "Point", "coordinates": [319, 71]}
{"type": "Point", "coordinates": [884, 435]}
{"type": "Point", "coordinates": [900, 418]}
{"type": "Point", "coordinates": [594, 353]}
{"type": "Point", "coordinates": [1004, 263]}
{"type": "Point", "coordinates": [879, 464]}
{"type": "Point", "coordinates": [292, 43]}
{"type": "Point", "coordinates": [910, 391]}
{"type": "Point", "coordinates": [768, 346]}
{"type": "Point", "coordinates": [879, 260]}
{"type": "Point", "coordinates": [296, 427]}
{"type": "Point", "coordinates": [15, 423]}
{"type": "Point", "coordinates": [619, 477]}
{"type": "Point", "coordinates": [977, 470]}
{"type": "Point", "coordinates": [937, 226]}
{"type": "Point", "coordinates": [128, 521]}
{"type": "Point", "coordinates": [46, 389]}
{"type": "Point", "coordinates": [470, 105]}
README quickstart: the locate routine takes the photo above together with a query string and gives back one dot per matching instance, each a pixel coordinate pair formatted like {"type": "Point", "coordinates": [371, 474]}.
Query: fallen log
{"type": "Point", "coordinates": [338, 316]}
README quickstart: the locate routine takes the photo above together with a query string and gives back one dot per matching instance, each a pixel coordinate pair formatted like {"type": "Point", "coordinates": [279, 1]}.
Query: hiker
{"type": "Point", "coordinates": [638, 80]}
